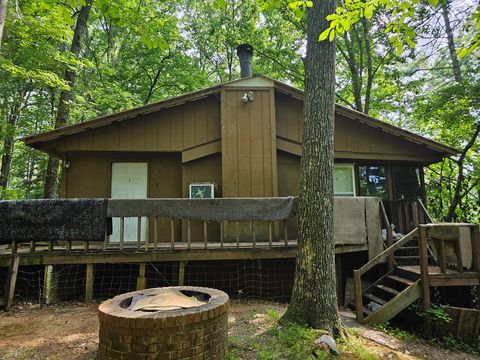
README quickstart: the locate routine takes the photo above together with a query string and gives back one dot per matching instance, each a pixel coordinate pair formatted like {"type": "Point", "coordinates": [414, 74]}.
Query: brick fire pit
{"type": "Point", "coordinates": [194, 333]}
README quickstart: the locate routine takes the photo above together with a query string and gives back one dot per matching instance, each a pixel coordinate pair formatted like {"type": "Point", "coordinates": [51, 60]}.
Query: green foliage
{"type": "Point", "coordinates": [450, 342]}
{"type": "Point", "coordinates": [394, 331]}
{"type": "Point", "coordinates": [439, 314]}
{"type": "Point", "coordinates": [290, 342]}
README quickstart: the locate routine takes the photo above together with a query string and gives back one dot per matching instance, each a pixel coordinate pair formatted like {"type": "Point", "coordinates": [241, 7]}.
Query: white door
{"type": "Point", "coordinates": [129, 181]}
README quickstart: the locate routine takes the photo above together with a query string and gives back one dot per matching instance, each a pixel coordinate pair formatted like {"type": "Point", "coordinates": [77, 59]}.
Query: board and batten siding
{"type": "Point", "coordinates": [174, 129]}
{"type": "Point", "coordinates": [353, 139]}
{"type": "Point", "coordinates": [249, 162]}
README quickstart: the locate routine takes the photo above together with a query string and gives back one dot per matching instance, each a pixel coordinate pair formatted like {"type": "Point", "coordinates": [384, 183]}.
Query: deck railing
{"type": "Point", "coordinates": [201, 223]}
{"type": "Point", "coordinates": [176, 224]}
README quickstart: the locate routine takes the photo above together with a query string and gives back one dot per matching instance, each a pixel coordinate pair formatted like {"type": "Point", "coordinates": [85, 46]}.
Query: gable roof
{"type": "Point", "coordinates": [200, 94]}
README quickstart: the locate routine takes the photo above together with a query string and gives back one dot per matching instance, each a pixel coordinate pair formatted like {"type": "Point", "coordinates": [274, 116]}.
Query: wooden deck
{"type": "Point", "coordinates": [451, 278]}
{"type": "Point", "coordinates": [97, 253]}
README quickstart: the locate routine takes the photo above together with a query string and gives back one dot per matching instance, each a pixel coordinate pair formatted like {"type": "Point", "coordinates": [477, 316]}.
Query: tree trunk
{"type": "Point", "coordinates": [9, 141]}
{"type": "Point", "coordinates": [451, 44]}
{"type": "Point", "coordinates": [66, 96]}
{"type": "Point", "coordinates": [370, 74]}
{"type": "Point", "coordinates": [314, 297]}
{"type": "Point", "coordinates": [3, 16]}
{"type": "Point", "coordinates": [458, 195]}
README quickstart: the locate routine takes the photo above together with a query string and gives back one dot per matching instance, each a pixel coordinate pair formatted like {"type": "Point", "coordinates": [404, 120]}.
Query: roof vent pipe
{"type": "Point", "coordinates": [245, 53]}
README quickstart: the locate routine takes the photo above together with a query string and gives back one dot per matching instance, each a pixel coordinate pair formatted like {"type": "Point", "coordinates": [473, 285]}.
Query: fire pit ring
{"type": "Point", "coordinates": [195, 333]}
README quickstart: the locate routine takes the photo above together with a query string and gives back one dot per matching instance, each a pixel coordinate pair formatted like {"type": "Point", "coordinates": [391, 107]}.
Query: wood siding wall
{"type": "Point", "coordinates": [248, 144]}
{"type": "Point", "coordinates": [173, 129]}
{"type": "Point", "coordinates": [353, 139]}
{"type": "Point", "coordinates": [207, 169]}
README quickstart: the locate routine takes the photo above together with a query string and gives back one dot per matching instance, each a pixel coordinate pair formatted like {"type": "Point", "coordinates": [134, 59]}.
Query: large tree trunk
{"type": "Point", "coordinates": [3, 16]}
{"type": "Point", "coordinates": [314, 298]}
{"type": "Point", "coordinates": [66, 96]}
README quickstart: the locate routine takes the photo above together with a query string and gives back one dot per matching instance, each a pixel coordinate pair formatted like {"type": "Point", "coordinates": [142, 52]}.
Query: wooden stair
{"type": "Point", "coordinates": [389, 295]}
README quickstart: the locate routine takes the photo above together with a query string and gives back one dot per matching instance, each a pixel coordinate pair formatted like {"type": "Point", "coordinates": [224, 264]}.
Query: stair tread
{"type": "Point", "coordinates": [400, 279]}
{"type": "Point", "coordinates": [376, 299]}
{"type": "Point", "coordinates": [387, 289]}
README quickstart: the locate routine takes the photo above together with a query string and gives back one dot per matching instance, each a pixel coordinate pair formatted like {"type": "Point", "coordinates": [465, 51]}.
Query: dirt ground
{"type": "Point", "coordinates": [70, 332]}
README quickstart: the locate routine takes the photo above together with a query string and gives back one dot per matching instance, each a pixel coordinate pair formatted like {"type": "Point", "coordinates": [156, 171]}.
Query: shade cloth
{"type": "Point", "coordinates": [53, 220]}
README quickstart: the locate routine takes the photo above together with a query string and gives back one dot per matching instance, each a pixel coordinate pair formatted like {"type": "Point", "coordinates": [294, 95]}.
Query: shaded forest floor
{"type": "Point", "coordinates": [70, 332]}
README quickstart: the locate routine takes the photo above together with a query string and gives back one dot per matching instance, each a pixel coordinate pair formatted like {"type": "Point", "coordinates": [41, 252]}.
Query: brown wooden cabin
{"type": "Point", "coordinates": [244, 148]}
{"type": "Point", "coordinates": [237, 139]}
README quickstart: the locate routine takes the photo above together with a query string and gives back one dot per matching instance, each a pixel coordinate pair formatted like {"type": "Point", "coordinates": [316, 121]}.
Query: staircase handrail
{"type": "Point", "coordinates": [387, 252]}
{"type": "Point", "coordinates": [357, 274]}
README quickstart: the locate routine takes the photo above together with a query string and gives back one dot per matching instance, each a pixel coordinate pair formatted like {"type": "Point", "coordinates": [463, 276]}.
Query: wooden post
{"type": "Point", "coordinates": [441, 256]}
{"type": "Point", "coordinates": [458, 250]}
{"type": "Point", "coordinates": [222, 234]}
{"type": "Point", "coordinates": [50, 285]}
{"type": "Point", "coordinates": [339, 276]}
{"type": "Point", "coordinates": [139, 232]}
{"type": "Point", "coordinates": [357, 280]}
{"type": "Point", "coordinates": [415, 217]}
{"type": "Point", "coordinates": [11, 281]}
{"type": "Point", "coordinates": [270, 234]}
{"type": "Point", "coordinates": [285, 232]}
{"type": "Point", "coordinates": [237, 231]}
{"type": "Point", "coordinates": [475, 238]}
{"type": "Point", "coordinates": [172, 233]}
{"type": "Point", "coordinates": [89, 284]}
{"type": "Point", "coordinates": [189, 234]}
{"type": "Point", "coordinates": [391, 257]}
{"type": "Point", "coordinates": [422, 243]}
{"type": "Point", "coordinates": [122, 232]}
{"type": "Point", "coordinates": [155, 233]}
{"type": "Point", "coordinates": [181, 273]}
{"type": "Point", "coordinates": [32, 247]}
{"type": "Point", "coordinates": [254, 235]}
{"type": "Point", "coordinates": [141, 280]}
{"type": "Point", "coordinates": [147, 234]}
{"type": "Point", "coordinates": [205, 234]}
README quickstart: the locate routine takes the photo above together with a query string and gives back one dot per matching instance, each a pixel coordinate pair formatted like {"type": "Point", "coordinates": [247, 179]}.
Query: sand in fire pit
{"type": "Point", "coordinates": [162, 300]}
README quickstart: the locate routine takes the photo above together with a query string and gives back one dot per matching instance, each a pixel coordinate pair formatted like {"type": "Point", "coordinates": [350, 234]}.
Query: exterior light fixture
{"type": "Point", "coordinates": [248, 96]}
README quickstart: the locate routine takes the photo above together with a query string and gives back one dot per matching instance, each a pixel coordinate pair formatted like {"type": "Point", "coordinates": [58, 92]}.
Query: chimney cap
{"type": "Point", "coordinates": [244, 47]}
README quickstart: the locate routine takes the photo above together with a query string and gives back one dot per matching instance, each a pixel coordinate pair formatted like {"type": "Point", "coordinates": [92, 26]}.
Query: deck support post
{"type": "Point", "coordinates": [89, 284]}
{"type": "Point", "coordinates": [141, 280]}
{"type": "Point", "coordinates": [357, 280]}
{"type": "Point", "coordinates": [181, 273]}
{"type": "Point", "coordinates": [11, 281]}
{"type": "Point", "coordinates": [339, 276]}
{"type": "Point", "coordinates": [424, 267]}
{"type": "Point", "coordinates": [50, 285]}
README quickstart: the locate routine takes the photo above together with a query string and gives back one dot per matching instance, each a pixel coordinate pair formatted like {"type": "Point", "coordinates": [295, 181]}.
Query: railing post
{"type": "Point", "coordinates": [422, 243]}
{"type": "Point", "coordinates": [357, 279]}
{"type": "Point", "coordinates": [391, 257]}
{"type": "Point", "coordinates": [475, 238]}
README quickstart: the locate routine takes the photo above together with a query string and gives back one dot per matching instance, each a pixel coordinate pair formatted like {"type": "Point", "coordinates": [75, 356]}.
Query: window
{"type": "Point", "coordinates": [344, 180]}
{"type": "Point", "coordinates": [202, 191]}
{"type": "Point", "coordinates": [406, 182]}
{"type": "Point", "coordinates": [373, 181]}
